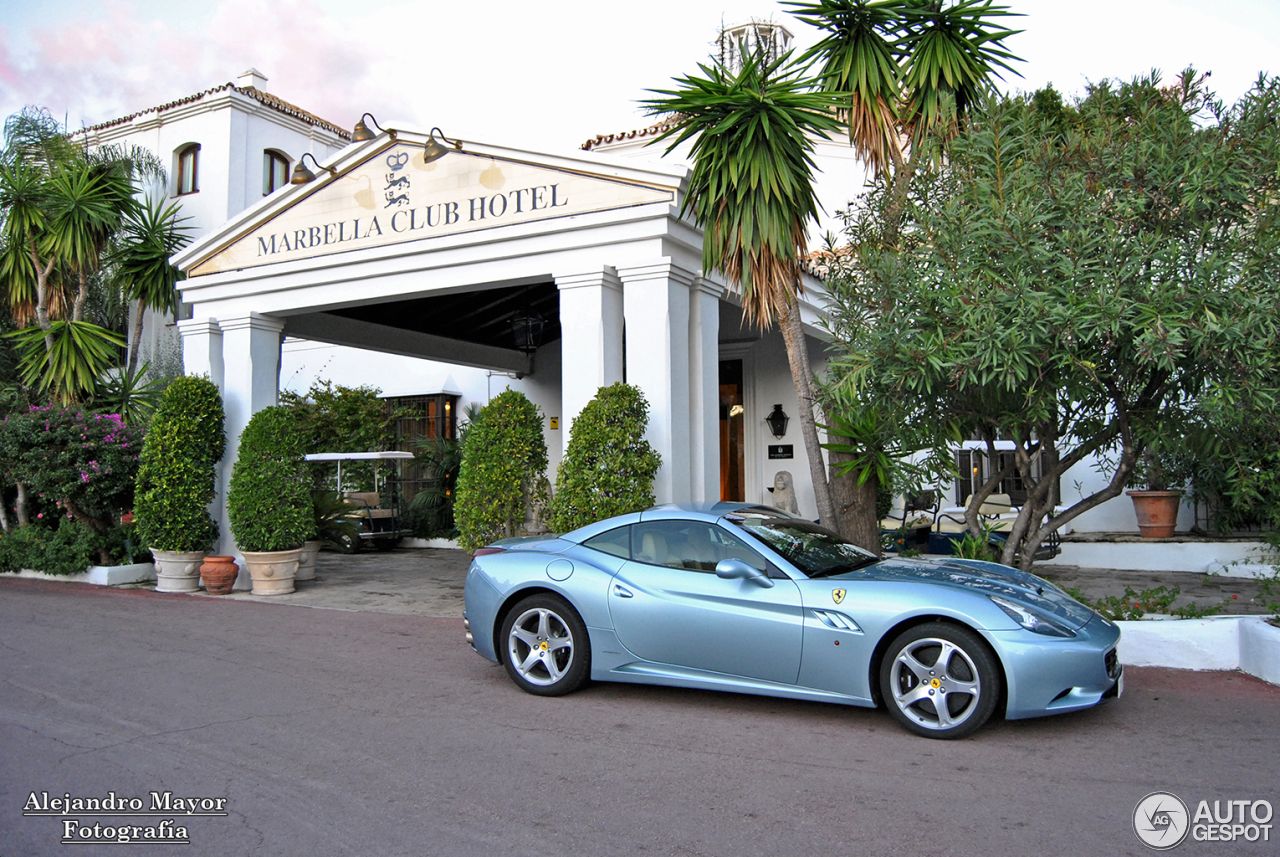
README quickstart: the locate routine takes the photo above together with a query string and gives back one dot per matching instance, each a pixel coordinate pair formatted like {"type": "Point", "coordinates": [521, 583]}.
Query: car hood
{"type": "Point", "coordinates": [988, 577]}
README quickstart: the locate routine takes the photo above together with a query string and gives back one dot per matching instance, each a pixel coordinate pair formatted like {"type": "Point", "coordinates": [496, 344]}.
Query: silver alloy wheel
{"type": "Point", "coordinates": [935, 683]}
{"type": "Point", "coordinates": [540, 647]}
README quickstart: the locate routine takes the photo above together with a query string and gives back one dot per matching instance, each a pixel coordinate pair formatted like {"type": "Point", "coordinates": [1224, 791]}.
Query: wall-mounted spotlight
{"type": "Point", "coordinates": [362, 131]}
{"type": "Point", "coordinates": [778, 421]}
{"type": "Point", "coordinates": [302, 175]}
{"type": "Point", "coordinates": [434, 151]}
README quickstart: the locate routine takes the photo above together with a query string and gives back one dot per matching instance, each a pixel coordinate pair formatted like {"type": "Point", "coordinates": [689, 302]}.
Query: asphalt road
{"type": "Point", "coordinates": [334, 733]}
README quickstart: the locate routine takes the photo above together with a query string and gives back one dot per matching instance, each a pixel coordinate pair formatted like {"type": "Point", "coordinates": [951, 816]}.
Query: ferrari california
{"type": "Point", "coordinates": [749, 599]}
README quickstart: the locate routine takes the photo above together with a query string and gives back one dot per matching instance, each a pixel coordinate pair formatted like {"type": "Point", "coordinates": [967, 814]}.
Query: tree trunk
{"type": "Point", "coordinates": [4, 512]}
{"type": "Point", "coordinates": [136, 342]}
{"type": "Point", "coordinates": [82, 298]}
{"type": "Point", "coordinates": [42, 297]}
{"type": "Point", "coordinates": [23, 519]}
{"type": "Point", "coordinates": [801, 377]}
{"type": "Point", "coordinates": [855, 504]}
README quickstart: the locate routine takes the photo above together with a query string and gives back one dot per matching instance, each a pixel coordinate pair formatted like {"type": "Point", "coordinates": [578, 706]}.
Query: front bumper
{"type": "Point", "coordinates": [1051, 676]}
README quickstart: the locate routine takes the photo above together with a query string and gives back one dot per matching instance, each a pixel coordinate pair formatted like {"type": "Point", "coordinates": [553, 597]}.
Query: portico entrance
{"type": "Point", "coordinates": [387, 252]}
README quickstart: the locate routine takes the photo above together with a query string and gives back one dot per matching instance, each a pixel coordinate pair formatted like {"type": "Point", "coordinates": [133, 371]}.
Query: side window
{"type": "Point", "coordinates": [188, 169]}
{"type": "Point", "coordinates": [692, 545]}
{"type": "Point", "coordinates": [275, 171]}
{"type": "Point", "coordinates": [616, 542]}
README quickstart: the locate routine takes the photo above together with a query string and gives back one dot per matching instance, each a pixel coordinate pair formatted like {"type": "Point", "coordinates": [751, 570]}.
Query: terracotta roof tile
{"type": "Point", "coordinates": [652, 131]}
{"type": "Point", "coordinates": [258, 95]}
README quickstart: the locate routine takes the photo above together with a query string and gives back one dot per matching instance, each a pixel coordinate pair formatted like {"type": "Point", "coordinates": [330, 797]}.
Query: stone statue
{"type": "Point", "coordinates": [784, 493]}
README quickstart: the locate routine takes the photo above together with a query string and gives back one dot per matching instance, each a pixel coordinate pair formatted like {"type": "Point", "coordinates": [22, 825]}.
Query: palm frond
{"type": "Point", "coordinates": [751, 188]}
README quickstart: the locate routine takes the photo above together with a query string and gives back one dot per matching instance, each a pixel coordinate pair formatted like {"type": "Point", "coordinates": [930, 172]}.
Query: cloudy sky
{"type": "Point", "coordinates": [537, 75]}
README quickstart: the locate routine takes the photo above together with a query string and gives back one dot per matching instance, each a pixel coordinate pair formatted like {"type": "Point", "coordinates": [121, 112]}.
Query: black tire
{"type": "Point", "coordinates": [347, 544]}
{"type": "Point", "coordinates": [951, 701]}
{"type": "Point", "coordinates": [544, 646]}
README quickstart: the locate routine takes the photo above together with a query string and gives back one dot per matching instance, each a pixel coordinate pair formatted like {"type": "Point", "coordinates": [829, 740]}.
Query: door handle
{"type": "Point", "coordinates": [621, 591]}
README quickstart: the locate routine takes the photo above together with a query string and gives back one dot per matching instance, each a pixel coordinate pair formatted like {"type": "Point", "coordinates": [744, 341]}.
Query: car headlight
{"type": "Point", "coordinates": [1034, 622]}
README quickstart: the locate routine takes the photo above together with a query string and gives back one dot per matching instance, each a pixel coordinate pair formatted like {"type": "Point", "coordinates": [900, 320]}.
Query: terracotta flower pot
{"type": "Point", "coordinates": [218, 574]}
{"type": "Point", "coordinates": [1157, 512]}
{"type": "Point", "coordinates": [272, 571]}
{"type": "Point", "coordinates": [177, 571]}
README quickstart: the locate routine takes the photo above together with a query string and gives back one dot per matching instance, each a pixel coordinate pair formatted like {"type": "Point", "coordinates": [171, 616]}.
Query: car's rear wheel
{"type": "Point", "coordinates": [547, 652]}
{"type": "Point", "coordinates": [940, 680]}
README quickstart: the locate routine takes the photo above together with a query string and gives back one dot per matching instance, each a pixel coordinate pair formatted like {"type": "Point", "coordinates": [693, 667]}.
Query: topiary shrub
{"type": "Point", "coordinates": [269, 500]}
{"type": "Point", "coordinates": [503, 459]}
{"type": "Point", "coordinates": [178, 468]}
{"type": "Point", "coordinates": [608, 467]}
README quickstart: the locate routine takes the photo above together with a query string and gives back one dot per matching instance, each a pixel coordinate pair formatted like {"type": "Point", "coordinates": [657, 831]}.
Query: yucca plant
{"type": "Point", "coordinates": [752, 134]}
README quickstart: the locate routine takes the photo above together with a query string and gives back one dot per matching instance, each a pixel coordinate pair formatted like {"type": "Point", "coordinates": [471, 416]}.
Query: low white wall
{"type": "Point", "coordinates": [99, 575]}
{"type": "Point", "coordinates": [1246, 643]}
{"type": "Point", "coordinates": [1231, 559]}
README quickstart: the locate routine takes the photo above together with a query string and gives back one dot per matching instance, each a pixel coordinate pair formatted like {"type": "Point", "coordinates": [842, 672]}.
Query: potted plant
{"type": "Point", "coordinates": [175, 481]}
{"type": "Point", "coordinates": [333, 524]}
{"type": "Point", "coordinates": [268, 502]}
{"type": "Point", "coordinates": [1156, 506]}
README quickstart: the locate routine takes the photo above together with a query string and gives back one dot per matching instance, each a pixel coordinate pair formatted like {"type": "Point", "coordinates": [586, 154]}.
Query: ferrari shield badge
{"type": "Point", "coordinates": [837, 595]}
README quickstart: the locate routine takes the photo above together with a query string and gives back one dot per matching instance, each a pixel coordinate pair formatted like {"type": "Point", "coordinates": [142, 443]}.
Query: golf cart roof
{"type": "Point", "coordinates": [388, 455]}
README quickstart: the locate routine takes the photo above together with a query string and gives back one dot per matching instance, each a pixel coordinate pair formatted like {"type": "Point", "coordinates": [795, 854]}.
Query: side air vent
{"type": "Point", "coordinates": [838, 621]}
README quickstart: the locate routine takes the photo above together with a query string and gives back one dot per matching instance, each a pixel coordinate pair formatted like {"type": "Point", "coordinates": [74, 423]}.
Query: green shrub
{"type": "Point", "coordinates": [608, 467]}
{"type": "Point", "coordinates": [269, 501]}
{"type": "Point", "coordinates": [67, 548]}
{"type": "Point", "coordinates": [334, 418]}
{"type": "Point", "coordinates": [503, 459]}
{"type": "Point", "coordinates": [431, 509]}
{"type": "Point", "coordinates": [178, 468]}
{"type": "Point", "coordinates": [85, 462]}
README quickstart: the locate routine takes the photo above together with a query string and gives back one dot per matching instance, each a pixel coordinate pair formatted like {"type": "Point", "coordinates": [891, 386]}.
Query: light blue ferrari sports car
{"type": "Point", "coordinates": [748, 599]}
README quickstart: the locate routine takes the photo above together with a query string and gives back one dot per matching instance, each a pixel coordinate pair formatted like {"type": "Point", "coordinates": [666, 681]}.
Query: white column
{"type": "Point", "coordinates": [591, 339]}
{"type": "Point", "coordinates": [704, 390]}
{"type": "Point", "coordinates": [251, 358]}
{"type": "Point", "coordinates": [655, 299]}
{"type": "Point", "coordinates": [202, 348]}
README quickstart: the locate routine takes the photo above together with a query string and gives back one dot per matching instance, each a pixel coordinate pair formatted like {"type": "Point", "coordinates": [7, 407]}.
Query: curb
{"type": "Point", "coordinates": [1246, 643]}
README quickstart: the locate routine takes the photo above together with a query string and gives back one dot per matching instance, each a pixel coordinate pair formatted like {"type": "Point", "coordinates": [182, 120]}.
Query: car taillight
{"type": "Point", "coordinates": [487, 551]}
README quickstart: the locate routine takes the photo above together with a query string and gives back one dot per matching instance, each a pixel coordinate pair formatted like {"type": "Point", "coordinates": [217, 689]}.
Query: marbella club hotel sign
{"type": "Point", "coordinates": [396, 196]}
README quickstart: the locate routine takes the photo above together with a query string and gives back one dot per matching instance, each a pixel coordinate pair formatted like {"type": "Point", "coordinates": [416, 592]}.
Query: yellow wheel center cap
{"type": "Point", "coordinates": [544, 646]}
{"type": "Point", "coordinates": [935, 683]}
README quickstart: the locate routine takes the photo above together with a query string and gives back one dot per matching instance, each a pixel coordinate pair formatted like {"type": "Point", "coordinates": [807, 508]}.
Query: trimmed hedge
{"type": "Point", "coordinates": [608, 467]}
{"type": "Point", "coordinates": [178, 468]}
{"type": "Point", "coordinates": [269, 501]}
{"type": "Point", "coordinates": [504, 457]}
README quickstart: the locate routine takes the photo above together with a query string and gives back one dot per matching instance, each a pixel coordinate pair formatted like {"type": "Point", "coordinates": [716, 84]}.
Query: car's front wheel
{"type": "Point", "coordinates": [940, 680]}
{"type": "Point", "coordinates": [547, 652]}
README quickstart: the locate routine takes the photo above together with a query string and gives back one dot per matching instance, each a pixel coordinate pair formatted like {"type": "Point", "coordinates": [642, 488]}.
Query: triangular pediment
{"type": "Point", "coordinates": [392, 196]}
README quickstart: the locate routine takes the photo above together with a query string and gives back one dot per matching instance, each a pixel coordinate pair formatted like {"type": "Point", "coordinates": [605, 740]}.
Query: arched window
{"type": "Point", "coordinates": [189, 169]}
{"type": "Point", "coordinates": [275, 171]}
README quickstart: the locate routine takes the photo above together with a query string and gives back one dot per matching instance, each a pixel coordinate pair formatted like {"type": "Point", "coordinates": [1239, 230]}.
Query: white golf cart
{"type": "Point", "coordinates": [378, 513]}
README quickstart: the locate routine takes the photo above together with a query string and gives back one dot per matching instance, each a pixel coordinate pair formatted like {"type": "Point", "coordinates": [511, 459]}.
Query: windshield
{"type": "Point", "coordinates": [815, 551]}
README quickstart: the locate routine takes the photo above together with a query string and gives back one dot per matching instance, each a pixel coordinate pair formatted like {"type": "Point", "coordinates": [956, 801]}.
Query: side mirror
{"type": "Point", "coordinates": [736, 569]}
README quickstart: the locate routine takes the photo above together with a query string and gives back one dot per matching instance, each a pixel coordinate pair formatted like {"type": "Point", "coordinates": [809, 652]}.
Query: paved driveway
{"type": "Point", "coordinates": [331, 732]}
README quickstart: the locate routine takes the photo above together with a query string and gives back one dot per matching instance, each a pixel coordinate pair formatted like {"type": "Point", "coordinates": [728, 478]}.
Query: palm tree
{"type": "Point", "coordinates": [905, 71]}
{"type": "Point", "coordinates": [751, 189]}
{"type": "Point", "coordinates": [152, 234]}
{"type": "Point", "coordinates": [59, 209]}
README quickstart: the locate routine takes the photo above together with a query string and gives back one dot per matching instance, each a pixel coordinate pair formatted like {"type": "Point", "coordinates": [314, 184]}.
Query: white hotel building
{"type": "Point", "coordinates": [419, 277]}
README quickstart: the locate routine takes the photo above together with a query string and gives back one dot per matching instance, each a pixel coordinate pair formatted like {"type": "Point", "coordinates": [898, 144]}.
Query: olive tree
{"type": "Point", "coordinates": [1074, 279]}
